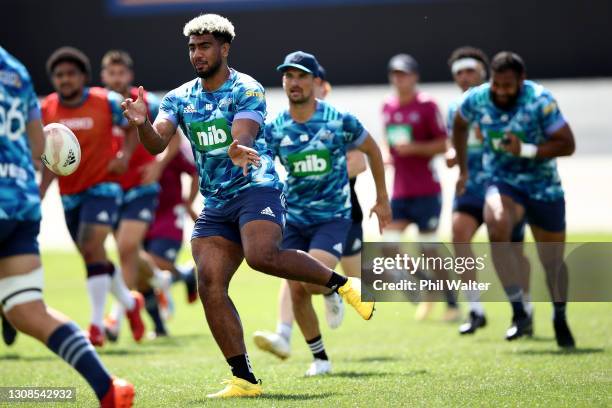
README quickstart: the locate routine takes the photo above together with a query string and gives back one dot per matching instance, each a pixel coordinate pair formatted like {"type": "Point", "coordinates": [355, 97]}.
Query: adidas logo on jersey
{"type": "Point", "coordinates": [286, 141]}
{"type": "Point", "coordinates": [268, 211]}
{"type": "Point", "coordinates": [189, 109]}
{"type": "Point", "coordinates": [486, 119]}
{"type": "Point", "coordinates": [103, 217]}
{"type": "Point", "coordinates": [338, 247]}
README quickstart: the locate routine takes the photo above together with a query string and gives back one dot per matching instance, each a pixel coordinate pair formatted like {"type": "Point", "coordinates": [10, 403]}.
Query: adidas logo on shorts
{"type": "Point", "coordinates": [145, 214]}
{"type": "Point", "coordinates": [268, 211]}
{"type": "Point", "coordinates": [103, 217]}
{"type": "Point", "coordinates": [338, 247]}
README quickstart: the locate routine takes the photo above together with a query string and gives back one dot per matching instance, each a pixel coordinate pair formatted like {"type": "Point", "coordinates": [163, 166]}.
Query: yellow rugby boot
{"type": "Point", "coordinates": [236, 388]}
{"type": "Point", "coordinates": [351, 293]}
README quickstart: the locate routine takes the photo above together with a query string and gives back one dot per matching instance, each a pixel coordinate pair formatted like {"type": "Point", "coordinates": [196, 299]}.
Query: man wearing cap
{"type": "Point", "coordinates": [222, 112]}
{"type": "Point", "coordinates": [279, 342]}
{"type": "Point", "coordinates": [311, 139]}
{"type": "Point", "coordinates": [415, 133]}
{"type": "Point", "coordinates": [91, 195]}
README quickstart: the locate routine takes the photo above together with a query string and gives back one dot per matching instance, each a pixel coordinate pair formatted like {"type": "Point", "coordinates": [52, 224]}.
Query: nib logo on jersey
{"type": "Point", "coordinates": [309, 163]}
{"type": "Point", "coordinates": [211, 135]}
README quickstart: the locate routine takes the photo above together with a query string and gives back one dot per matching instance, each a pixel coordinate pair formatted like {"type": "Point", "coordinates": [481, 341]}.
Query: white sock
{"type": "Point", "coordinates": [473, 297]}
{"type": "Point", "coordinates": [284, 330]}
{"type": "Point", "coordinates": [98, 287]}
{"type": "Point", "coordinates": [120, 290]}
{"type": "Point", "coordinates": [117, 312]}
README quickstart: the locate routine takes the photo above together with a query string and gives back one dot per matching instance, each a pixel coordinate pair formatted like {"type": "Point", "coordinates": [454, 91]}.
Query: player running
{"type": "Point", "coordinates": [524, 131]}
{"type": "Point", "coordinates": [91, 196]}
{"type": "Point", "coordinates": [469, 68]}
{"type": "Point", "coordinates": [139, 184]}
{"type": "Point", "coordinates": [222, 113]}
{"type": "Point", "coordinates": [311, 139]}
{"type": "Point", "coordinates": [21, 272]}
{"type": "Point", "coordinates": [415, 133]}
{"type": "Point", "coordinates": [165, 236]}
{"type": "Point", "coordinates": [279, 342]}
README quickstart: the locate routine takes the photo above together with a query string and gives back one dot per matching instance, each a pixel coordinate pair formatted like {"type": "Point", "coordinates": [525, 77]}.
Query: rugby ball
{"type": "Point", "coordinates": [62, 153]}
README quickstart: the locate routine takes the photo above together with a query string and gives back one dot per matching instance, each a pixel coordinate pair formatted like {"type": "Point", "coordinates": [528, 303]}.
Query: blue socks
{"type": "Point", "coordinates": [68, 342]}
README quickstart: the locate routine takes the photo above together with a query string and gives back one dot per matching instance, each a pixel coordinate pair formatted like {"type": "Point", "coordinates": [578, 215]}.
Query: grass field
{"type": "Point", "coordinates": [389, 361]}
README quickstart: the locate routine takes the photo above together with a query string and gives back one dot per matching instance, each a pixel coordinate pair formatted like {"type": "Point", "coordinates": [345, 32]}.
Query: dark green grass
{"type": "Point", "coordinates": [389, 361]}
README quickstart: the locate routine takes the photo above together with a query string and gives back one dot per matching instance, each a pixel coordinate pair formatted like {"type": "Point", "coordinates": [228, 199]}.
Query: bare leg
{"type": "Point", "coordinates": [129, 240]}
{"type": "Point", "coordinates": [217, 259]}
{"type": "Point", "coordinates": [351, 265]}
{"type": "Point", "coordinates": [261, 243]}
{"type": "Point", "coordinates": [285, 308]}
{"type": "Point", "coordinates": [301, 298]}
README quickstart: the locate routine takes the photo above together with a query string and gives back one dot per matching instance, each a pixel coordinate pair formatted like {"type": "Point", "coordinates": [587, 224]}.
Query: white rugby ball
{"type": "Point", "coordinates": [62, 153]}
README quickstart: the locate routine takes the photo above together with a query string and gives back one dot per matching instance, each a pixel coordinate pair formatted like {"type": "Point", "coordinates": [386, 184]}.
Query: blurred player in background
{"type": "Point", "coordinates": [139, 184]}
{"type": "Point", "coordinates": [311, 139]}
{"type": "Point", "coordinates": [21, 272]}
{"type": "Point", "coordinates": [279, 342]}
{"type": "Point", "coordinates": [91, 196]}
{"type": "Point", "coordinates": [355, 165]}
{"type": "Point", "coordinates": [524, 132]}
{"type": "Point", "coordinates": [222, 112]}
{"type": "Point", "coordinates": [469, 68]}
{"type": "Point", "coordinates": [415, 133]}
{"type": "Point", "coordinates": [165, 236]}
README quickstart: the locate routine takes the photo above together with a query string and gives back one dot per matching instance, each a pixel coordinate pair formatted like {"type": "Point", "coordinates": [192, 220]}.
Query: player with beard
{"type": "Point", "coordinates": [524, 132]}
{"type": "Point", "coordinates": [279, 342]}
{"type": "Point", "coordinates": [469, 67]}
{"type": "Point", "coordinates": [21, 272]}
{"type": "Point", "coordinates": [222, 112]}
{"type": "Point", "coordinates": [91, 195]}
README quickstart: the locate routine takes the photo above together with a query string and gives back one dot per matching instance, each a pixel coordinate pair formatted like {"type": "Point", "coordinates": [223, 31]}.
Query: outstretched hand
{"type": "Point", "coordinates": [243, 156]}
{"type": "Point", "coordinates": [135, 111]}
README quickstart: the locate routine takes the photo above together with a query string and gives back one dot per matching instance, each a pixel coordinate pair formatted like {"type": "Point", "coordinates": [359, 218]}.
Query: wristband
{"type": "Point", "coordinates": [528, 150]}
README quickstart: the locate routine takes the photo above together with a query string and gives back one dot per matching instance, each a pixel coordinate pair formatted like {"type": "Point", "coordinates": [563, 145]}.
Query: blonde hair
{"type": "Point", "coordinates": [214, 24]}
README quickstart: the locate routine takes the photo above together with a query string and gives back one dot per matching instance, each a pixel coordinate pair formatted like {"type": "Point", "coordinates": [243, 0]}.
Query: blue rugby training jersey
{"type": "Point", "coordinates": [534, 117]}
{"type": "Point", "coordinates": [477, 175]}
{"type": "Point", "coordinates": [314, 155]}
{"type": "Point", "coordinates": [206, 119]}
{"type": "Point", "coordinates": [19, 194]}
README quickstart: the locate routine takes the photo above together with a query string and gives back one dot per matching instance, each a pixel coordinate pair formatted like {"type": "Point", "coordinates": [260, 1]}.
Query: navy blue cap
{"type": "Point", "coordinates": [403, 63]}
{"type": "Point", "coordinates": [302, 61]}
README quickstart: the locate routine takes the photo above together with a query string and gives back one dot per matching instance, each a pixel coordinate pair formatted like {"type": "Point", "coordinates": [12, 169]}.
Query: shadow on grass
{"type": "Point", "coordinates": [121, 352]}
{"type": "Point", "coordinates": [17, 357]}
{"type": "Point", "coordinates": [374, 359]}
{"type": "Point", "coordinates": [277, 397]}
{"type": "Point", "coordinates": [187, 336]}
{"type": "Point", "coordinates": [368, 374]}
{"type": "Point", "coordinates": [560, 352]}
{"type": "Point", "coordinates": [539, 338]}
{"type": "Point", "coordinates": [297, 397]}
